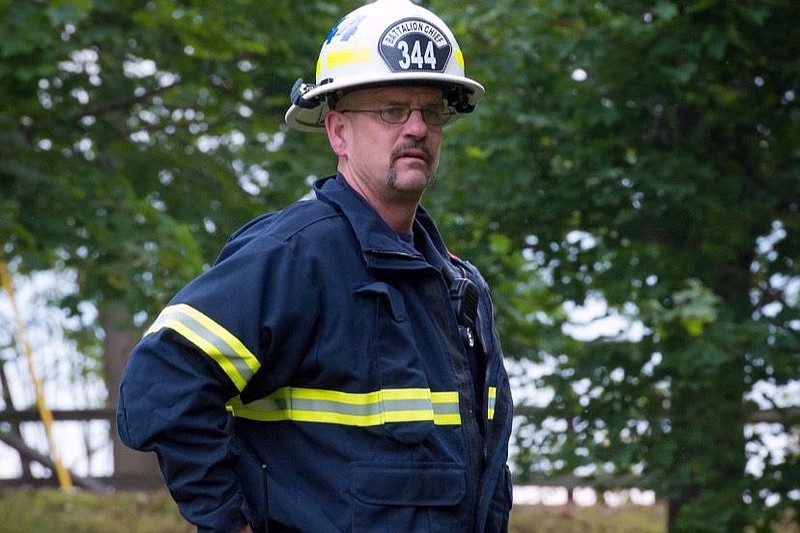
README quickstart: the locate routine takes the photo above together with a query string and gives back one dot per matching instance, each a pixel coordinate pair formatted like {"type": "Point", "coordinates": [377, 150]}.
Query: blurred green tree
{"type": "Point", "coordinates": [640, 154]}
{"type": "Point", "coordinates": [136, 136]}
{"type": "Point", "coordinates": [643, 155]}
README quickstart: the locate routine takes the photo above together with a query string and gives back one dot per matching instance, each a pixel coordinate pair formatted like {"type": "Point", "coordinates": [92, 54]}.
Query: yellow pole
{"type": "Point", "coordinates": [64, 477]}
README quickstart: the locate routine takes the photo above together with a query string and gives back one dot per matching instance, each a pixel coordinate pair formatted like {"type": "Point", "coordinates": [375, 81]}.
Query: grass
{"type": "Point", "coordinates": [26, 510]}
{"type": "Point", "coordinates": [52, 511]}
{"type": "Point", "coordinates": [588, 519]}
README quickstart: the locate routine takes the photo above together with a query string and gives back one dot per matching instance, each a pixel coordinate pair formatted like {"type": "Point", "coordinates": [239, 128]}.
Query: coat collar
{"type": "Point", "coordinates": [381, 246]}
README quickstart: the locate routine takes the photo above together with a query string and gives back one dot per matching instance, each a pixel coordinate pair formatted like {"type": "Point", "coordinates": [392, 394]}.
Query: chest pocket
{"type": "Point", "coordinates": [403, 497]}
{"type": "Point", "coordinates": [395, 354]}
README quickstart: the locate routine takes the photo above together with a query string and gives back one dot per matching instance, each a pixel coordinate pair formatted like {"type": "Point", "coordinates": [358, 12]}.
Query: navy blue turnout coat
{"type": "Point", "coordinates": [321, 377]}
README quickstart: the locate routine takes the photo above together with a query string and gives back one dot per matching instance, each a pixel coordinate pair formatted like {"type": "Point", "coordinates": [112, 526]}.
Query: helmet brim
{"type": "Point", "coordinates": [313, 118]}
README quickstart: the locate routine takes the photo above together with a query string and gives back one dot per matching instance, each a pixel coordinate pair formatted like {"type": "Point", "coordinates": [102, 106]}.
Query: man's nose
{"type": "Point", "coordinates": [416, 125]}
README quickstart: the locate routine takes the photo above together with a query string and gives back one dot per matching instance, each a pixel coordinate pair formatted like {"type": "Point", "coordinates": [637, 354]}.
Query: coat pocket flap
{"type": "Point", "coordinates": [417, 484]}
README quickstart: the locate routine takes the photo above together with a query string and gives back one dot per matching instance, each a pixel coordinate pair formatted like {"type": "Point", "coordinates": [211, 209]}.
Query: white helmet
{"type": "Point", "coordinates": [383, 43]}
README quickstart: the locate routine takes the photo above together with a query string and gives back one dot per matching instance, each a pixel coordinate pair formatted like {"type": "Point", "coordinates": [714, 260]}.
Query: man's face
{"type": "Point", "coordinates": [387, 162]}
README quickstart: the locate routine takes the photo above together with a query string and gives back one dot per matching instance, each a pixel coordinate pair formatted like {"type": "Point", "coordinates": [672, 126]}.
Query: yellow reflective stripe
{"type": "Point", "coordinates": [338, 58]}
{"type": "Point", "coordinates": [445, 408]}
{"type": "Point", "coordinates": [238, 363]}
{"type": "Point", "coordinates": [352, 409]}
{"type": "Point", "coordinates": [492, 400]}
{"type": "Point", "coordinates": [460, 57]}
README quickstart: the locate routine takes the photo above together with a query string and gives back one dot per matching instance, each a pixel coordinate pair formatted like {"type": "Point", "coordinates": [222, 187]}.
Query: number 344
{"type": "Point", "coordinates": [415, 56]}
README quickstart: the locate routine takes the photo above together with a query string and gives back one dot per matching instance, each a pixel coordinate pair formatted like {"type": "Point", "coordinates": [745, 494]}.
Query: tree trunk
{"type": "Point", "coordinates": [132, 469]}
{"type": "Point", "coordinates": [709, 414]}
{"type": "Point", "coordinates": [711, 422]}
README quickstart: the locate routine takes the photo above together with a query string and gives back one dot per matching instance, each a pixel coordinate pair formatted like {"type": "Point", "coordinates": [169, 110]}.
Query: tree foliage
{"type": "Point", "coordinates": [640, 154]}
{"type": "Point", "coordinates": [643, 154]}
{"type": "Point", "coordinates": [137, 135]}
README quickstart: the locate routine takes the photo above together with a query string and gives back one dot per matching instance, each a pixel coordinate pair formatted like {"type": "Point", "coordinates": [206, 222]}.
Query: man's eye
{"type": "Point", "coordinates": [433, 113]}
{"type": "Point", "coordinates": [394, 112]}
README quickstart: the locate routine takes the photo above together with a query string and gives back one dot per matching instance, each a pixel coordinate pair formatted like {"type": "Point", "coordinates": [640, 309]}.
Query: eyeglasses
{"type": "Point", "coordinates": [432, 115]}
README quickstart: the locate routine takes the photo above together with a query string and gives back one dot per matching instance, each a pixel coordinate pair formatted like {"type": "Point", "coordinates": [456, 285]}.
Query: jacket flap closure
{"type": "Point", "coordinates": [414, 484]}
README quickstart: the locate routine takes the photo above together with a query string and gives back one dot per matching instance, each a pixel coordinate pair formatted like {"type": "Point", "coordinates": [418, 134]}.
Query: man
{"type": "Point", "coordinates": [337, 369]}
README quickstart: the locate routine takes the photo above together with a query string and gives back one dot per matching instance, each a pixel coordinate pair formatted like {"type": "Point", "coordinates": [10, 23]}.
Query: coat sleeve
{"type": "Point", "coordinates": [204, 348]}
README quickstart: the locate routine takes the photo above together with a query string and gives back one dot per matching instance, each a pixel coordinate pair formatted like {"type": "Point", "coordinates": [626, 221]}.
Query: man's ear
{"type": "Point", "coordinates": [335, 127]}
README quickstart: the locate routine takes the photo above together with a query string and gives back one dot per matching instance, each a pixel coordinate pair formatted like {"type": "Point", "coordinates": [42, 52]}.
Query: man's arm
{"type": "Point", "coordinates": [172, 402]}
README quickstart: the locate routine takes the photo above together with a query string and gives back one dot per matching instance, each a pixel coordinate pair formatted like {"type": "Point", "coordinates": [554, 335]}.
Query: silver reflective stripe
{"type": "Point", "coordinates": [238, 363]}
{"type": "Point", "coordinates": [352, 409]}
{"type": "Point", "coordinates": [491, 401]}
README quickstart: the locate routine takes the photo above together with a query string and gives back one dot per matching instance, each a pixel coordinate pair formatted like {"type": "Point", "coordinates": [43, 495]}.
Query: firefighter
{"type": "Point", "coordinates": [337, 369]}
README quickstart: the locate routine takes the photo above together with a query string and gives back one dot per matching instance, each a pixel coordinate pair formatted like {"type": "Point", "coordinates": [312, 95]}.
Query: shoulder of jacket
{"type": "Point", "coordinates": [284, 224]}
{"type": "Point", "coordinates": [279, 227]}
